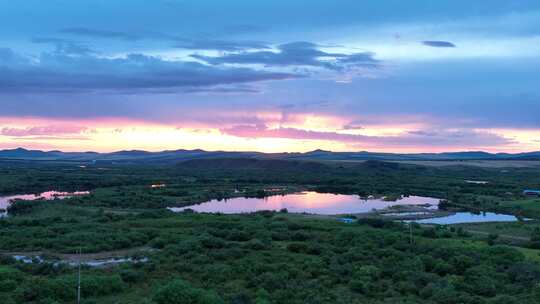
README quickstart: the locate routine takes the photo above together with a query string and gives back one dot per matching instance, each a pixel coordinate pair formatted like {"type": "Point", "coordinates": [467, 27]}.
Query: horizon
{"type": "Point", "coordinates": [271, 77]}
{"type": "Point", "coordinates": [247, 151]}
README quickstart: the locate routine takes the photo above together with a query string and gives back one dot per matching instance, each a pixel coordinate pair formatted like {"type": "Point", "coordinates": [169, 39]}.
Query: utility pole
{"type": "Point", "coordinates": [79, 280]}
{"type": "Point", "coordinates": [410, 233]}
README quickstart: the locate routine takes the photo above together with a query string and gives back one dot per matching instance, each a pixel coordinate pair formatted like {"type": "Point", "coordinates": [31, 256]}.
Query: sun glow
{"type": "Point", "coordinates": [296, 134]}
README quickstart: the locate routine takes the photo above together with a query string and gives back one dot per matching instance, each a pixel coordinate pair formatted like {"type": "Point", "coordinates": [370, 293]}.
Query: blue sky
{"type": "Point", "coordinates": [270, 75]}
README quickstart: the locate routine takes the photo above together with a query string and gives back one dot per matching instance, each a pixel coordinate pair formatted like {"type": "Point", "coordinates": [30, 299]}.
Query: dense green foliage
{"type": "Point", "coordinates": [279, 258]}
{"type": "Point", "coordinates": [265, 257]}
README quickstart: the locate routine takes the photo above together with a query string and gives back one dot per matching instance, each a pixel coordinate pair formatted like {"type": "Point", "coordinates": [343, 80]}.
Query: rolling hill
{"type": "Point", "coordinates": [172, 156]}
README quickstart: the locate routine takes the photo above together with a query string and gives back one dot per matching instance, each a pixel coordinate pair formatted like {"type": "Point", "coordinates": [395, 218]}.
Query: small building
{"type": "Point", "coordinates": [530, 192]}
{"type": "Point", "coordinates": [346, 220]}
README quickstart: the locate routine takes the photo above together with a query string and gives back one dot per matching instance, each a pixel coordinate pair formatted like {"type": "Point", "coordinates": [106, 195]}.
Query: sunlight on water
{"type": "Point", "coordinates": [308, 202]}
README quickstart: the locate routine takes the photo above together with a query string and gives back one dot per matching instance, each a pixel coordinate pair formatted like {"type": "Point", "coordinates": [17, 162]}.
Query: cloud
{"type": "Point", "coordinates": [52, 130]}
{"type": "Point", "coordinates": [243, 29]}
{"type": "Point", "coordinates": [423, 133]}
{"type": "Point", "coordinates": [443, 138]}
{"type": "Point", "coordinates": [7, 55]}
{"type": "Point", "coordinates": [98, 33]}
{"type": "Point", "coordinates": [220, 45]}
{"type": "Point", "coordinates": [352, 126]}
{"type": "Point", "coordinates": [238, 89]}
{"type": "Point", "coordinates": [262, 131]}
{"type": "Point", "coordinates": [63, 46]}
{"type": "Point", "coordinates": [297, 54]}
{"type": "Point", "coordinates": [178, 42]}
{"type": "Point", "coordinates": [56, 72]}
{"type": "Point", "coordinates": [439, 44]}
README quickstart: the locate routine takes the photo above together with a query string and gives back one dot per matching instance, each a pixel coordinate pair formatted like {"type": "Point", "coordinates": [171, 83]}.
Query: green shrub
{"type": "Point", "coordinates": [181, 292]}
{"type": "Point", "coordinates": [131, 276]}
{"type": "Point", "coordinates": [298, 247]}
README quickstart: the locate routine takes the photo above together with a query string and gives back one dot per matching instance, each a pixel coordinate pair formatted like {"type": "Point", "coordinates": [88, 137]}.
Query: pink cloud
{"type": "Point", "coordinates": [261, 130]}
{"type": "Point", "coordinates": [419, 138]}
{"type": "Point", "coordinates": [51, 130]}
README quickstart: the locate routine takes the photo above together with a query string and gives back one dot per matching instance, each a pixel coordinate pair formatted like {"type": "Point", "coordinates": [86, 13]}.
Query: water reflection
{"type": "Point", "coordinates": [47, 195]}
{"type": "Point", "coordinates": [308, 202]}
{"type": "Point", "coordinates": [90, 263]}
{"type": "Point", "coordinates": [469, 217]}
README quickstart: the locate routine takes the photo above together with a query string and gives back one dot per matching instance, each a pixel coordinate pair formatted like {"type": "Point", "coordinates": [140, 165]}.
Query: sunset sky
{"type": "Point", "coordinates": [272, 76]}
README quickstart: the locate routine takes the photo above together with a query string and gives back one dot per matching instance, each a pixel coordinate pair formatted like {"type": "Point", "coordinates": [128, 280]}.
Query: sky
{"type": "Point", "coordinates": [270, 76]}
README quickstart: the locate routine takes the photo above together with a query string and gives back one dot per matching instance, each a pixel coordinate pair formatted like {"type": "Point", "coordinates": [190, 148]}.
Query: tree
{"type": "Point", "coordinates": [535, 238]}
{"type": "Point", "coordinates": [492, 238]}
{"type": "Point", "coordinates": [181, 292]}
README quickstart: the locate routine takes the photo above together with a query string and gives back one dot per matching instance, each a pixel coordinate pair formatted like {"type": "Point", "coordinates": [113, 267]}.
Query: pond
{"type": "Point", "coordinates": [307, 202]}
{"type": "Point", "coordinates": [469, 217]}
{"type": "Point", "coordinates": [48, 195]}
{"type": "Point", "coordinates": [90, 263]}
{"type": "Point", "coordinates": [477, 182]}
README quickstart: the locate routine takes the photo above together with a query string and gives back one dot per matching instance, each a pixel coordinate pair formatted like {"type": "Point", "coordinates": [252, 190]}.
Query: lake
{"type": "Point", "coordinates": [307, 202]}
{"type": "Point", "coordinates": [469, 217]}
{"type": "Point", "coordinates": [47, 195]}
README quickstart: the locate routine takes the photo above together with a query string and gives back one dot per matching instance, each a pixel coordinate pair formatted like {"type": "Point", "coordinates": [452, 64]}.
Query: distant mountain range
{"type": "Point", "coordinates": [138, 156]}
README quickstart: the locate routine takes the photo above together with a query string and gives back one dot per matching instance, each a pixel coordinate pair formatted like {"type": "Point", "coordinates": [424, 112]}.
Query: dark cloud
{"type": "Point", "coordinates": [56, 72]}
{"type": "Point", "coordinates": [438, 43]}
{"type": "Point", "coordinates": [64, 46]}
{"type": "Point", "coordinates": [297, 54]}
{"type": "Point", "coordinates": [364, 59]}
{"type": "Point", "coordinates": [98, 33]}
